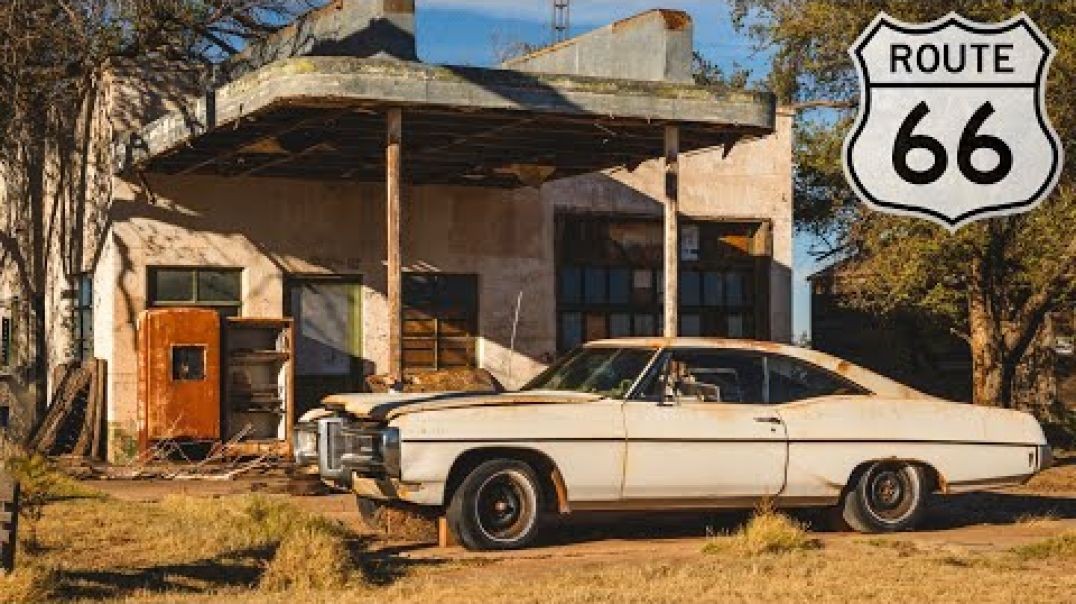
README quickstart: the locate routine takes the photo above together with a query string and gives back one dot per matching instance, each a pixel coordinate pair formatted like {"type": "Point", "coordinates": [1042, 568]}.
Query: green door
{"type": "Point", "coordinates": [328, 337]}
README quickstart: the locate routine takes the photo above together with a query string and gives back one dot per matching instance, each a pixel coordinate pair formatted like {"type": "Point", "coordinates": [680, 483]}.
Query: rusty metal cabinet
{"type": "Point", "coordinates": [206, 379]}
{"type": "Point", "coordinates": [258, 386]}
{"type": "Point", "coordinates": [179, 375]}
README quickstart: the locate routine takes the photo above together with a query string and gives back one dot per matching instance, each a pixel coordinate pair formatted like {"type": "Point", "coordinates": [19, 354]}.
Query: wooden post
{"type": "Point", "coordinates": [392, 220]}
{"type": "Point", "coordinates": [672, 231]}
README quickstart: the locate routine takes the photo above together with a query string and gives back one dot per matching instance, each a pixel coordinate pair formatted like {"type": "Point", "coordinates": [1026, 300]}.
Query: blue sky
{"type": "Point", "coordinates": [467, 32]}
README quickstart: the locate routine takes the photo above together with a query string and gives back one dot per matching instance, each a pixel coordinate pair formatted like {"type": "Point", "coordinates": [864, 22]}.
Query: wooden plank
{"type": "Point", "coordinates": [392, 242]}
{"type": "Point", "coordinates": [672, 231]}
{"type": "Point", "coordinates": [85, 435]}
{"type": "Point", "coordinates": [445, 536]}
{"type": "Point", "coordinates": [98, 425]}
{"type": "Point", "coordinates": [9, 521]}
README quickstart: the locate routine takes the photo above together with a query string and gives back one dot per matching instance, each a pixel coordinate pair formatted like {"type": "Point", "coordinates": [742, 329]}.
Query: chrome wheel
{"type": "Point", "coordinates": [505, 506]}
{"type": "Point", "coordinates": [886, 496]}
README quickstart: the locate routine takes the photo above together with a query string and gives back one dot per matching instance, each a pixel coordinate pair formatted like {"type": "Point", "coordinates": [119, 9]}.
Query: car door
{"type": "Point", "coordinates": [700, 428]}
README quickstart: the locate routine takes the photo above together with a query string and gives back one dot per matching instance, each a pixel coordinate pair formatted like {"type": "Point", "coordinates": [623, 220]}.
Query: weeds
{"type": "Point", "coordinates": [27, 584]}
{"type": "Point", "coordinates": [767, 532]}
{"type": "Point", "coordinates": [1059, 546]}
{"type": "Point", "coordinates": [309, 557]}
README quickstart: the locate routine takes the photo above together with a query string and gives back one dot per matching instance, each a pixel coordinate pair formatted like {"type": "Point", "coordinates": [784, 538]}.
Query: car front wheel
{"type": "Point", "coordinates": [889, 496]}
{"type": "Point", "coordinates": [497, 506]}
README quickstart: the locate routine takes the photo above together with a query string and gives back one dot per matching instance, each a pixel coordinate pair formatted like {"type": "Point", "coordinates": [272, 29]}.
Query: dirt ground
{"type": "Point", "coordinates": [985, 521]}
{"type": "Point", "coordinates": [982, 547]}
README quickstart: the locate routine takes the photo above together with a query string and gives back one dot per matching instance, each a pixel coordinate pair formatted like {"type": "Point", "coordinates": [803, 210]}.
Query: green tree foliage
{"type": "Point", "coordinates": [994, 282]}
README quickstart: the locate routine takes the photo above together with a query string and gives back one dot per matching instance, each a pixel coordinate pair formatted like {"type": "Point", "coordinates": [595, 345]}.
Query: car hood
{"type": "Point", "coordinates": [384, 407]}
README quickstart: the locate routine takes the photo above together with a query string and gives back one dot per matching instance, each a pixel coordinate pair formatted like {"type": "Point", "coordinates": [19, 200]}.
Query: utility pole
{"type": "Point", "coordinates": [561, 20]}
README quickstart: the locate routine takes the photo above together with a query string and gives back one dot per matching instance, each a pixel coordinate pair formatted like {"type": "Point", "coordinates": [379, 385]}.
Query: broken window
{"type": "Point", "coordinates": [610, 281]}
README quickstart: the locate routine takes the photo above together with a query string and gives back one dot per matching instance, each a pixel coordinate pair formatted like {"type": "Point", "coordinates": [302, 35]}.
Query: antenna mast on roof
{"type": "Point", "coordinates": [561, 20]}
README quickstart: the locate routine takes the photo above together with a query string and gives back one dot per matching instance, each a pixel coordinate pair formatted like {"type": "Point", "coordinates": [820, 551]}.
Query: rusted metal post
{"type": "Point", "coordinates": [672, 231]}
{"type": "Point", "coordinates": [392, 243]}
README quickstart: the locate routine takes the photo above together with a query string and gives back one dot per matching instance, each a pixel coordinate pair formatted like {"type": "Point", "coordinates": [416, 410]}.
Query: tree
{"type": "Point", "coordinates": [994, 282]}
{"type": "Point", "coordinates": [53, 54]}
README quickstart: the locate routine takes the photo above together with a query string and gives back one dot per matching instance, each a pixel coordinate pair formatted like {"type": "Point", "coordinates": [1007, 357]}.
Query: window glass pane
{"type": "Point", "coordinates": [690, 288]}
{"type": "Point", "coordinates": [5, 341]}
{"type": "Point", "coordinates": [619, 285]}
{"type": "Point", "coordinates": [713, 292]}
{"type": "Point", "coordinates": [595, 327]}
{"type": "Point", "coordinates": [571, 285]}
{"type": "Point", "coordinates": [642, 287]}
{"type": "Point", "coordinates": [594, 285]}
{"type": "Point", "coordinates": [620, 325]}
{"type": "Point", "coordinates": [735, 326]}
{"type": "Point", "coordinates": [712, 376]}
{"type": "Point", "coordinates": [734, 288]}
{"type": "Point", "coordinates": [85, 291]}
{"type": "Point", "coordinates": [219, 286]}
{"type": "Point", "coordinates": [173, 285]}
{"type": "Point", "coordinates": [794, 380]}
{"type": "Point", "coordinates": [571, 330]}
{"type": "Point", "coordinates": [644, 325]}
{"type": "Point", "coordinates": [188, 363]}
{"type": "Point", "coordinates": [691, 325]}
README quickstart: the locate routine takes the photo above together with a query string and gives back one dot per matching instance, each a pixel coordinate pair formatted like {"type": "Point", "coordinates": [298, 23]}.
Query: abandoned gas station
{"type": "Point", "coordinates": [348, 210]}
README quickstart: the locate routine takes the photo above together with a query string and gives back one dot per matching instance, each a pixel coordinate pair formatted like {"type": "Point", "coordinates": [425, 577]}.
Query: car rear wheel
{"type": "Point", "coordinates": [497, 506]}
{"type": "Point", "coordinates": [888, 496]}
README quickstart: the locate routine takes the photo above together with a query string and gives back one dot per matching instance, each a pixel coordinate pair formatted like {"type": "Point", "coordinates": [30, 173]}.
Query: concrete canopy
{"type": "Point", "coordinates": [324, 118]}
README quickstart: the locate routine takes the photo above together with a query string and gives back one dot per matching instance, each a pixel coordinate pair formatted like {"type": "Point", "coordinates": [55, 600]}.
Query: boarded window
{"type": "Point", "coordinates": [220, 288]}
{"type": "Point", "coordinates": [440, 321]}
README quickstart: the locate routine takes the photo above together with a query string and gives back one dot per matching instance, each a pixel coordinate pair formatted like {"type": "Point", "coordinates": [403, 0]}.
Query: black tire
{"type": "Point", "coordinates": [887, 497]}
{"type": "Point", "coordinates": [497, 506]}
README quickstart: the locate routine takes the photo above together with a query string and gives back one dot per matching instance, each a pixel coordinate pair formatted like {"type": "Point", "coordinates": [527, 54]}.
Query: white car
{"type": "Point", "coordinates": [657, 424]}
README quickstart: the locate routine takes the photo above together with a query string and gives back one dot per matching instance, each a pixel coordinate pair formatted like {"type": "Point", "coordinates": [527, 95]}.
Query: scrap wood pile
{"type": "Point", "coordinates": [446, 380]}
{"type": "Point", "coordinates": [74, 422]}
{"type": "Point", "coordinates": [170, 460]}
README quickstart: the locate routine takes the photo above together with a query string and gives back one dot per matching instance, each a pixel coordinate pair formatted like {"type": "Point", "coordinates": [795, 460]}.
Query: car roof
{"type": "Point", "coordinates": [878, 384]}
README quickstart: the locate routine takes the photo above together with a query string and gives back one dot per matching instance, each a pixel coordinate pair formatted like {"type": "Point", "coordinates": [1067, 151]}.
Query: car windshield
{"type": "Point", "coordinates": [606, 371]}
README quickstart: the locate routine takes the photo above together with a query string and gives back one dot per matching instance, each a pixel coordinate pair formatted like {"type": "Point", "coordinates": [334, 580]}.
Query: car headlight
{"type": "Point", "coordinates": [390, 451]}
{"type": "Point", "coordinates": [305, 443]}
{"type": "Point", "coordinates": [1046, 457]}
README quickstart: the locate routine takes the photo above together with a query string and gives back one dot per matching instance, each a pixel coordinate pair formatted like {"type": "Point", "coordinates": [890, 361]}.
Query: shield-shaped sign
{"type": "Point", "coordinates": [952, 122]}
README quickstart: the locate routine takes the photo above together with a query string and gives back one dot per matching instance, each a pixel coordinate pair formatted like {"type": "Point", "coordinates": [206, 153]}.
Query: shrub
{"type": "Point", "coordinates": [1059, 546]}
{"type": "Point", "coordinates": [309, 557]}
{"type": "Point", "coordinates": [768, 532]}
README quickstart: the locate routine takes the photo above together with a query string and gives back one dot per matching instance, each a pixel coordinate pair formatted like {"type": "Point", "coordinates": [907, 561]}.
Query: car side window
{"type": "Point", "coordinates": [709, 376]}
{"type": "Point", "coordinates": [794, 380]}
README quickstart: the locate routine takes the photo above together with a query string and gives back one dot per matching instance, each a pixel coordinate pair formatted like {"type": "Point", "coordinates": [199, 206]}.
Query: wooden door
{"type": "Point", "coordinates": [179, 375]}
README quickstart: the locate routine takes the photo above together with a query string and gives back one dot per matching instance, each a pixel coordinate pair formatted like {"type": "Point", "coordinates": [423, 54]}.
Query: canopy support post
{"type": "Point", "coordinates": [672, 231]}
{"type": "Point", "coordinates": [392, 244]}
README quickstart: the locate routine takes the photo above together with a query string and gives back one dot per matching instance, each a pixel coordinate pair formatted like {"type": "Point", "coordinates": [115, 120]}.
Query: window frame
{"type": "Point", "coordinates": [152, 300]}
{"type": "Point", "coordinates": [81, 333]}
{"type": "Point", "coordinates": [660, 361]}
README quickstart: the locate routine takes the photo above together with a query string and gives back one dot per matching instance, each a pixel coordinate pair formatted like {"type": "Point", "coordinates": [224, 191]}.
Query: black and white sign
{"type": "Point", "coordinates": [952, 124]}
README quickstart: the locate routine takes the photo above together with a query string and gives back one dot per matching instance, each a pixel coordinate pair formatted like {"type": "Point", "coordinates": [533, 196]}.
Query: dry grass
{"type": "Point", "coordinates": [1038, 519]}
{"type": "Point", "coordinates": [104, 548]}
{"type": "Point", "coordinates": [28, 583]}
{"type": "Point", "coordinates": [260, 549]}
{"type": "Point", "coordinates": [309, 558]}
{"type": "Point", "coordinates": [1057, 547]}
{"type": "Point", "coordinates": [767, 532]}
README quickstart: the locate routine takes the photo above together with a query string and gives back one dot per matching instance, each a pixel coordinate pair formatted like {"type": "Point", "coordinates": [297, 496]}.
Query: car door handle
{"type": "Point", "coordinates": [768, 420]}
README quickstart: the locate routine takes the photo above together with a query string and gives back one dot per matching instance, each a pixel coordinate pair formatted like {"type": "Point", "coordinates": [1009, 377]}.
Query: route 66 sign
{"type": "Point", "coordinates": [952, 124]}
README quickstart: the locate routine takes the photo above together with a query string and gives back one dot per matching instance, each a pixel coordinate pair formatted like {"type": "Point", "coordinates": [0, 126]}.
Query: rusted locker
{"type": "Point", "coordinates": [179, 375]}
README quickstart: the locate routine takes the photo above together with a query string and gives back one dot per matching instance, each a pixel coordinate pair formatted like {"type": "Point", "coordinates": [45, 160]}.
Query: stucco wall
{"type": "Point", "coordinates": [272, 228]}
